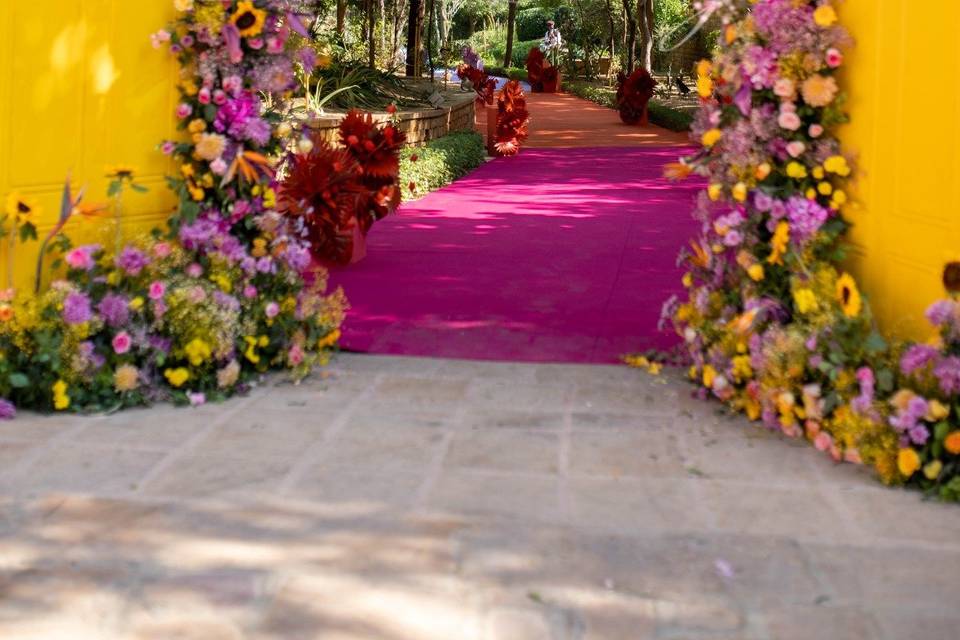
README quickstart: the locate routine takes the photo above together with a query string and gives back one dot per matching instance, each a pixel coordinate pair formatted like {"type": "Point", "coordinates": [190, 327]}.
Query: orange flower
{"type": "Point", "coordinates": [676, 170]}
{"type": "Point", "coordinates": [952, 442]}
{"type": "Point", "coordinates": [6, 313]}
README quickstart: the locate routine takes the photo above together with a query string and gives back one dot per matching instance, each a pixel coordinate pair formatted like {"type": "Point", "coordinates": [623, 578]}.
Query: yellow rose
{"type": "Point", "coordinates": [838, 165]}
{"type": "Point", "coordinates": [711, 137]}
{"type": "Point", "coordinates": [817, 173]}
{"type": "Point", "coordinates": [755, 271]}
{"type": "Point", "coordinates": [825, 16]}
{"type": "Point", "coordinates": [908, 462]}
{"type": "Point", "coordinates": [824, 188]}
{"type": "Point", "coordinates": [704, 86]}
{"type": "Point", "coordinates": [796, 170]}
{"type": "Point", "coordinates": [61, 401]}
{"type": "Point", "coordinates": [932, 469]}
{"type": "Point", "coordinates": [197, 351]}
{"type": "Point", "coordinates": [687, 280]}
{"type": "Point", "coordinates": [714, 191]}
{"type": "Point", "coordinates": [805, 300]}
{"type": "Point", "coordinates": [937, 411]}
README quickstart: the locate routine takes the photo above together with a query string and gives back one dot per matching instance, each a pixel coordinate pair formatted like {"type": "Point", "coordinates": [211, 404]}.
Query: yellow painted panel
{"type": "Point", "coordinates": [80, 89]}
{"type": "Point", "coordinates": [905, 103]}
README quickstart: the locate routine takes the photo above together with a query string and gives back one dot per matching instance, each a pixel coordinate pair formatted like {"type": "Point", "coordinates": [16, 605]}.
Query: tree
{"type": "Point", "coordinates": [646, 15]}
{"type": "Point", "coordinates": [511, 23]}
{"type": "Point", "coordinates": [341, 20]}
{"type": "Point", "coordinates": [414, 29]}
{"type": "Point", "coordinates": [630, 33]}
{"type": "Point", "coordinates": [371, 24]}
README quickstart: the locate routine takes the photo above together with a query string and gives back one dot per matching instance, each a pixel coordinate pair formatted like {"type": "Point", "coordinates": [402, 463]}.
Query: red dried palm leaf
{"type": "Point", "coordinates": [633, 94]}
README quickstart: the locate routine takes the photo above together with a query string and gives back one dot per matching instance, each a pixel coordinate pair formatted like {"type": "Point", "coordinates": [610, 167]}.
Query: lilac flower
{"type": "Point", "coordinates": [115, 309]}
{"type": "Point", "coordinates": [907, 419]}
{"type": "Point", "coordinates": [297, 258]}
{"type": "Point", "coordinates": [917, 357]}
{"type": "Point", "coordinates": [806, 217]}
{"type": "Point", "coordinates": [257, 130]}
{"type": "Point", "coordinates": [132, 260]}
{"type": "Point", "coordinates": [265, 265]}
{"type": "Point", "coordinates": [919, 434]}
{"type": "Point", "coordinates": [76, 308]}
{"type": "Point", "coordinates": [226, 300]}
{"type": "Point", "coordinates": [762, 201]}
{"type": "Point", "coordinates": [947, 372]}
{"type": "Point", "coordinates": [196, 399]}
{"type": "Point", "coordinates": [160, 343]}
{"type": "Point", "coordinates": [198, 234]}
{"type": "Point", "coordinates": [862, 403]}
{"type": "Point", "coordinates": [8, 411]}
{"type": "Point", "coordinates": [940, 312]}
{"type": "Point", "coordinates": [307, 57]}
{"type": "Point", "coordinates": [233, 115]}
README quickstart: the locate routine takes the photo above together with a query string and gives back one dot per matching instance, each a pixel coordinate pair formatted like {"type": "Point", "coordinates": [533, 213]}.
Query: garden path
{"type": "Point", "coordinates": [560, 254]}
{"type": "Point", "coordinates": [408, 498]}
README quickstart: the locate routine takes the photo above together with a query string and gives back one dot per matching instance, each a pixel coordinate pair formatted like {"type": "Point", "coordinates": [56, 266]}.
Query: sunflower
{"type": "Point", "coordinates": [120, 172]}
{"type": "Point", "coordinates": [20, 207]}
{"type": "Point", "coordinates": [849, 296]}
{"type": "Point", "coordinates": [248, 19]}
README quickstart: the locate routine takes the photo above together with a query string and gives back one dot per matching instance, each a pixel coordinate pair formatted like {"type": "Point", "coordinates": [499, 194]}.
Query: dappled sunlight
{"type": "Point", "coordinates": [103, 70]}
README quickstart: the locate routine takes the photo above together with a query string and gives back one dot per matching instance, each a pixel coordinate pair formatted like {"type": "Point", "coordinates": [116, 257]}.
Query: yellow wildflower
{"type": "Point", "coordinates": [269, 198]}
{"type": "Point", "coordinates": [755, 271]}
{"type": "Point", "coordinates": [197, 351]}
{"type": "Point", "coordinates": [136, 304]}
{"type": "Point", "coordinates": [61, 400]}
{"type": "Point", "coordinates": [251, 351]}
{"type": "Point", "coordinates": [739, 192]}
{"type": "Point", "coordinates": [177, 377]}
{"type": "Point", "coordinates": [805, 300]}
{"type": "Point", "coordinates": [818, 90]}
{"type": "Point", "coordinates": [762, 171]}
{"type": "Point", "coordinates": [810, 193]}
{"type": "Point", "coordinates": [937, 411]}
{"type": "Point", "coordinates": [329, 340]}
{"type": "Point", "coordinates": [709, 375]}
{"type": "Point", "coordinates": [714, 191]}
{"type": "Point", "coordinates": [824, 188]}
{"type": "Point", "coordinates": [779, 241]}
{"type": "Point", "coordinates": [711, 137]}
{"type": "Point", "coordinates": [742, 369]}
{"type": "Point", "coordinates": [187, 170]}
{"type": "Point", "coordinates": [818, 173]}
{"type": "Point", "coordinates": [837, 164]}
{"type": "Point", "coordinates": [796, 170]}
{"type": "Point", "coordinates": [908, 462]}
{"type": "Point", "coordinates": [197, 125]}
{"type": "Point", "coordinates": [825, 15]}
{"type": "Point", "coordinates": [259, 248]}
{"type": "Point", "coordinates": [932, 469]}
{"type": "Point", "coordinates": [687, 280]}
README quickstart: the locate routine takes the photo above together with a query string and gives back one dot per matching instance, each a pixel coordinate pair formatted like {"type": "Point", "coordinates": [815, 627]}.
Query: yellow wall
{"type": "Point", "coordinates": [902, 77]}
{"type": "Point", "coordinates": [82, 88]}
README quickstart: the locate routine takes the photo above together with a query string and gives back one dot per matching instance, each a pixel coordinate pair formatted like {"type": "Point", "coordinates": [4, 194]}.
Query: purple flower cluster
{"type": "Point", "coordinates": [906, 422]}
{"type": "Point", "coordinates": [864, 402]}
{"type": "Point", "coordinates": [947, 372]}
{"type": "Point", "coordinates": [806, 217]}
{"type": "Point", "coordinates": [76, 308]}
{"type": "Point", "coordinates": [917, 357]}
{"type": "Point", "coordinates": [114, 309]}
{"type": "Point", "coordinates": [132, 260]}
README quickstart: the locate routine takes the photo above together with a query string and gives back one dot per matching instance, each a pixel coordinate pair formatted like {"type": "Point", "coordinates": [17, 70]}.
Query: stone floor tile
{"type": "Point", "coordinates": [582, 420]}
{"type": "Point", "coordinates": [341, 482]}
{"type": "Point", "coordinates": [643, 402]}
{"type": "Point", "coordinates": [197, 475]}
{"type": "Point", "coordinates": [82, 469]}
{"type": "Point", "coordinates": [516, 496]}
{"type": "Point", "coordinates": [274, 436]}
{"type": "Point", "coordinates": [626, 452]}
{"type": "Point", "coordinates": [751, 453]}
{"type": "Point", "coordinates": [35, 427]}
{"type": "Point", "coordinates": [497, 393]}
{"type": "Point", "coordinates": [912, 518]}
{"type": "Point", "coordinates": [504, 450]}
{"type": "Point", "coordinates": [510, 418]}
{"type": "Point", "coordinates": [642, 506]}
{"type": "Point", "coordinates": [383, 447]}
{"type": "Point", "coordinates": [807, 622]}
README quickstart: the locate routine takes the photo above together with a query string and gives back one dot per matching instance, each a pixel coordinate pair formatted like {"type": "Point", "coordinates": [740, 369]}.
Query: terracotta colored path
{"type": "Point", "coordinates": [561, 254]}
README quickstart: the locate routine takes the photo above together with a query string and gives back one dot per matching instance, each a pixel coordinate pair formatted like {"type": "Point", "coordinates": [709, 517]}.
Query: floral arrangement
{"type": "Point", "coordinates": [535, 66]}
{"type": "Point", "coordinates": [925, 409]}
{"type": "Point", "coordinates": [512, 119]}
{"type": "Point", "coordinates": [480, 80]}
{"type": "Point", "coordinates": [633, 94]}
{"type": "Point", "coordinates": [774, 327]}
{"type": "Point", "coordinates": [337, 193]}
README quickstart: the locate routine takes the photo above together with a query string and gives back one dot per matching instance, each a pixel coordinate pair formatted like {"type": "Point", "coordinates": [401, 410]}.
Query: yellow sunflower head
{"type": "Point", "coordinates": [849, 296]}
{"type": "Point", "coordinates": [20, 207]}
{"type": "Point", "coordinates": [120, 172]}
{"type": "Point", "coordinates": [248, 19]}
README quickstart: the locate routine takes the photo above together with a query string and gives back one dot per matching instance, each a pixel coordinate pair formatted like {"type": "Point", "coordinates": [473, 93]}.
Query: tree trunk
{"type": "Point", "coordinates": [511, 21]}
{"type": "Point", "coordinates": [645, 11]}
{"type": "Point", "coordinates": [371, 33]}
{"type": "Point", "coordinates": [414, 29]}
{"type": "Point", "coordinates": [613, 37]}
{"type": "Point", "coordinates": [430, 19]}
{"type": "Point", "coordinates": [341, 20]}
{"type": "Point", "coordinates": [630, 27]}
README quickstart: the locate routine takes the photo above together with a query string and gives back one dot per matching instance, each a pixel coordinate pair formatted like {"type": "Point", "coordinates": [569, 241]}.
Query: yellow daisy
{"type": "Point", "coordinates": [21, 207]}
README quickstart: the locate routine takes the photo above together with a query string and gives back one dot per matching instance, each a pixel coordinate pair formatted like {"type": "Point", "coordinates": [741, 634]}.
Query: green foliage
{"type": "Point", "coordinates": [362, 87]}
{"type": "Point", "coordinates": [532, 23]}
{"type": "Point", "coordinates": [513, 73]}
{"type": "Point", "coordinates": [441, 161]}
{"type": "Point", "coordinates": [660, 115]}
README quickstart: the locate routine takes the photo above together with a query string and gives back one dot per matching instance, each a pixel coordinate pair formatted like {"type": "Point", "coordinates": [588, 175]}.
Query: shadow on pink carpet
{"type": "Point", "coordinates": [555, 255]}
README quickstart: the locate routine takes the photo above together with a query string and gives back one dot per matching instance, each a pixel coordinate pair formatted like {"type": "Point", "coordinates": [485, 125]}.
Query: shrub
{"type": "Point", "coordinates": [532, 23]}
{"type": "Point", "coordinates": [659, 114]}
{"type": "Point", "coordinates": [441, 161]}
{"type": "Point", "coordinates": [512, 73]}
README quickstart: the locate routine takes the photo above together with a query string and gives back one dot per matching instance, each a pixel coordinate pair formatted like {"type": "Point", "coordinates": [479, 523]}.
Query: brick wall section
{"type": "Point", "coordinates": [420, 126]}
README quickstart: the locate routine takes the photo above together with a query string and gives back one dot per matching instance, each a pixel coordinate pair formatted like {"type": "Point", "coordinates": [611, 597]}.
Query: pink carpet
{"type": "Point", "coordinates": [555, 255]}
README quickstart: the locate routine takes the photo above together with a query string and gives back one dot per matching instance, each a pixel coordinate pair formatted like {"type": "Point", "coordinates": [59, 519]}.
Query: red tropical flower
{"type": "Point", "coordinates": [633, 94]}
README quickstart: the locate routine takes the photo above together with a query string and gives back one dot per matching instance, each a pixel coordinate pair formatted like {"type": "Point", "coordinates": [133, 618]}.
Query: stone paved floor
{"type": "Point", "coordinates": [425, 499]}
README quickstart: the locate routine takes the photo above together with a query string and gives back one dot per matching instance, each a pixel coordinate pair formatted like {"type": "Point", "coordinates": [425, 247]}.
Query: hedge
{"type": "Point", "coordinates": [660, 115]}
{"type": "Point", "coordinates": [513, 73]}
{"type": "Point", "coordinates": [441, 162]}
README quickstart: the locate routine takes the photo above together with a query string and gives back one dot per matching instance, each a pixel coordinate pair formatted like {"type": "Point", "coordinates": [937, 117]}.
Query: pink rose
{"type": "Point", "coordinates": [272, 310]}
{"type": "Point", "coordinates": [834, 58]}
{"type": "Point", "coordinates": [162, 249]}
{"type": "Point", "coordinates": [160, 37]}
{"type": "Point", "coordinates": [812, 427]}
{"type": "Point", "coordinates": [852, 455]}
{"type": "Point", "coordinates": [159, 308]}
{"type": "Point", "coordinates": [196, 399]}
{"type": "Point", "coordinates": [232, 84]}
{"type": "Point", "coordinates": [218, 166]}
{"type": "Point", "coordinates": [184, 110]}
{"type": "Point", "coordinates": [295, 355]}
{"type": "Point", "coordinates": [275, 44]}
{"type": "Point", "coordinates": [823, 441]}
{"type": "Point", "coordinates": [815, 130]}
{"type": "Point", "coordinates": [250, 292]}
{"type": "Point", "coordinates": [203, 97]}
{"type": "Point", "coordinates": [122, 342]}
{"type": "Point", "coordinates": [788, 118]}
{"type": "Point", "coordinates": [195, 270]}
{"type": "Point", "coordinates": [80, 258]}
{"type": "Point", "coordinates": [785, 88]}
{"type": "Point", "coordinates": [157, 290]}
{"type": "Point", "coordinates": [796, 148]}
{"type": "Point", "coordinates": [219, 97]}
{"type": "Point", "coordinates": [168, 147]}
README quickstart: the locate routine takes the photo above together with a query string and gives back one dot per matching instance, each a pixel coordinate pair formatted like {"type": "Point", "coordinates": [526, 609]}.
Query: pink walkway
{"type": "Point", "coordinates": [556, 255]}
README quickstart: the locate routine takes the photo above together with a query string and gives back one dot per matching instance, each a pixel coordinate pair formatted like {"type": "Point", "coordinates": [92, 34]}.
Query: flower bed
{"type": "Point", "coordinates": [198, 311]}
{"type": "Point", "coordinates": [773, 325]}
{"type": "Point", "coordinates": [441, 161]}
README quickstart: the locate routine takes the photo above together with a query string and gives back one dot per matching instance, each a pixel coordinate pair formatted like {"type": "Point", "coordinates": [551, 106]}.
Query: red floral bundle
{"type": "Point", "coordinates": [633, 94]}
{"type": "Point", "coordinates": [339, 192]}
{"type": "Point", "coordinates": [482, 83]}
{"type": "Point", "coordinates": [535, 61]}
{"type": "Point", "coordinates": [512, 119]}
{"type": "Point", "coordinates": [551, 79]}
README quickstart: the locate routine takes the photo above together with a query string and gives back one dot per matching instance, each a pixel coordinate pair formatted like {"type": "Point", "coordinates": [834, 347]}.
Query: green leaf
{"type": "Point", "coordinates": [885, 380]}
{"type": "Point", "coordinates": [18, 380]}
{"type": "Point", "coordinates": [875, 344]}
{"type": "Point", "coordinates": [114, 188]}
{"type": "Point", "coordinates": [139, 188]}
{"type": "Point", "coordinates": [28, 232]}
{"type": "Point", "coordinates": [940, 430]}
{"type": "Point", "coordinates": [210, 112]}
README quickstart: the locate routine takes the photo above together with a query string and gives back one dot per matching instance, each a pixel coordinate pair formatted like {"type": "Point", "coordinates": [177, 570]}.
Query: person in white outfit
{"type": "Point", "coordinates": [552, 42]}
